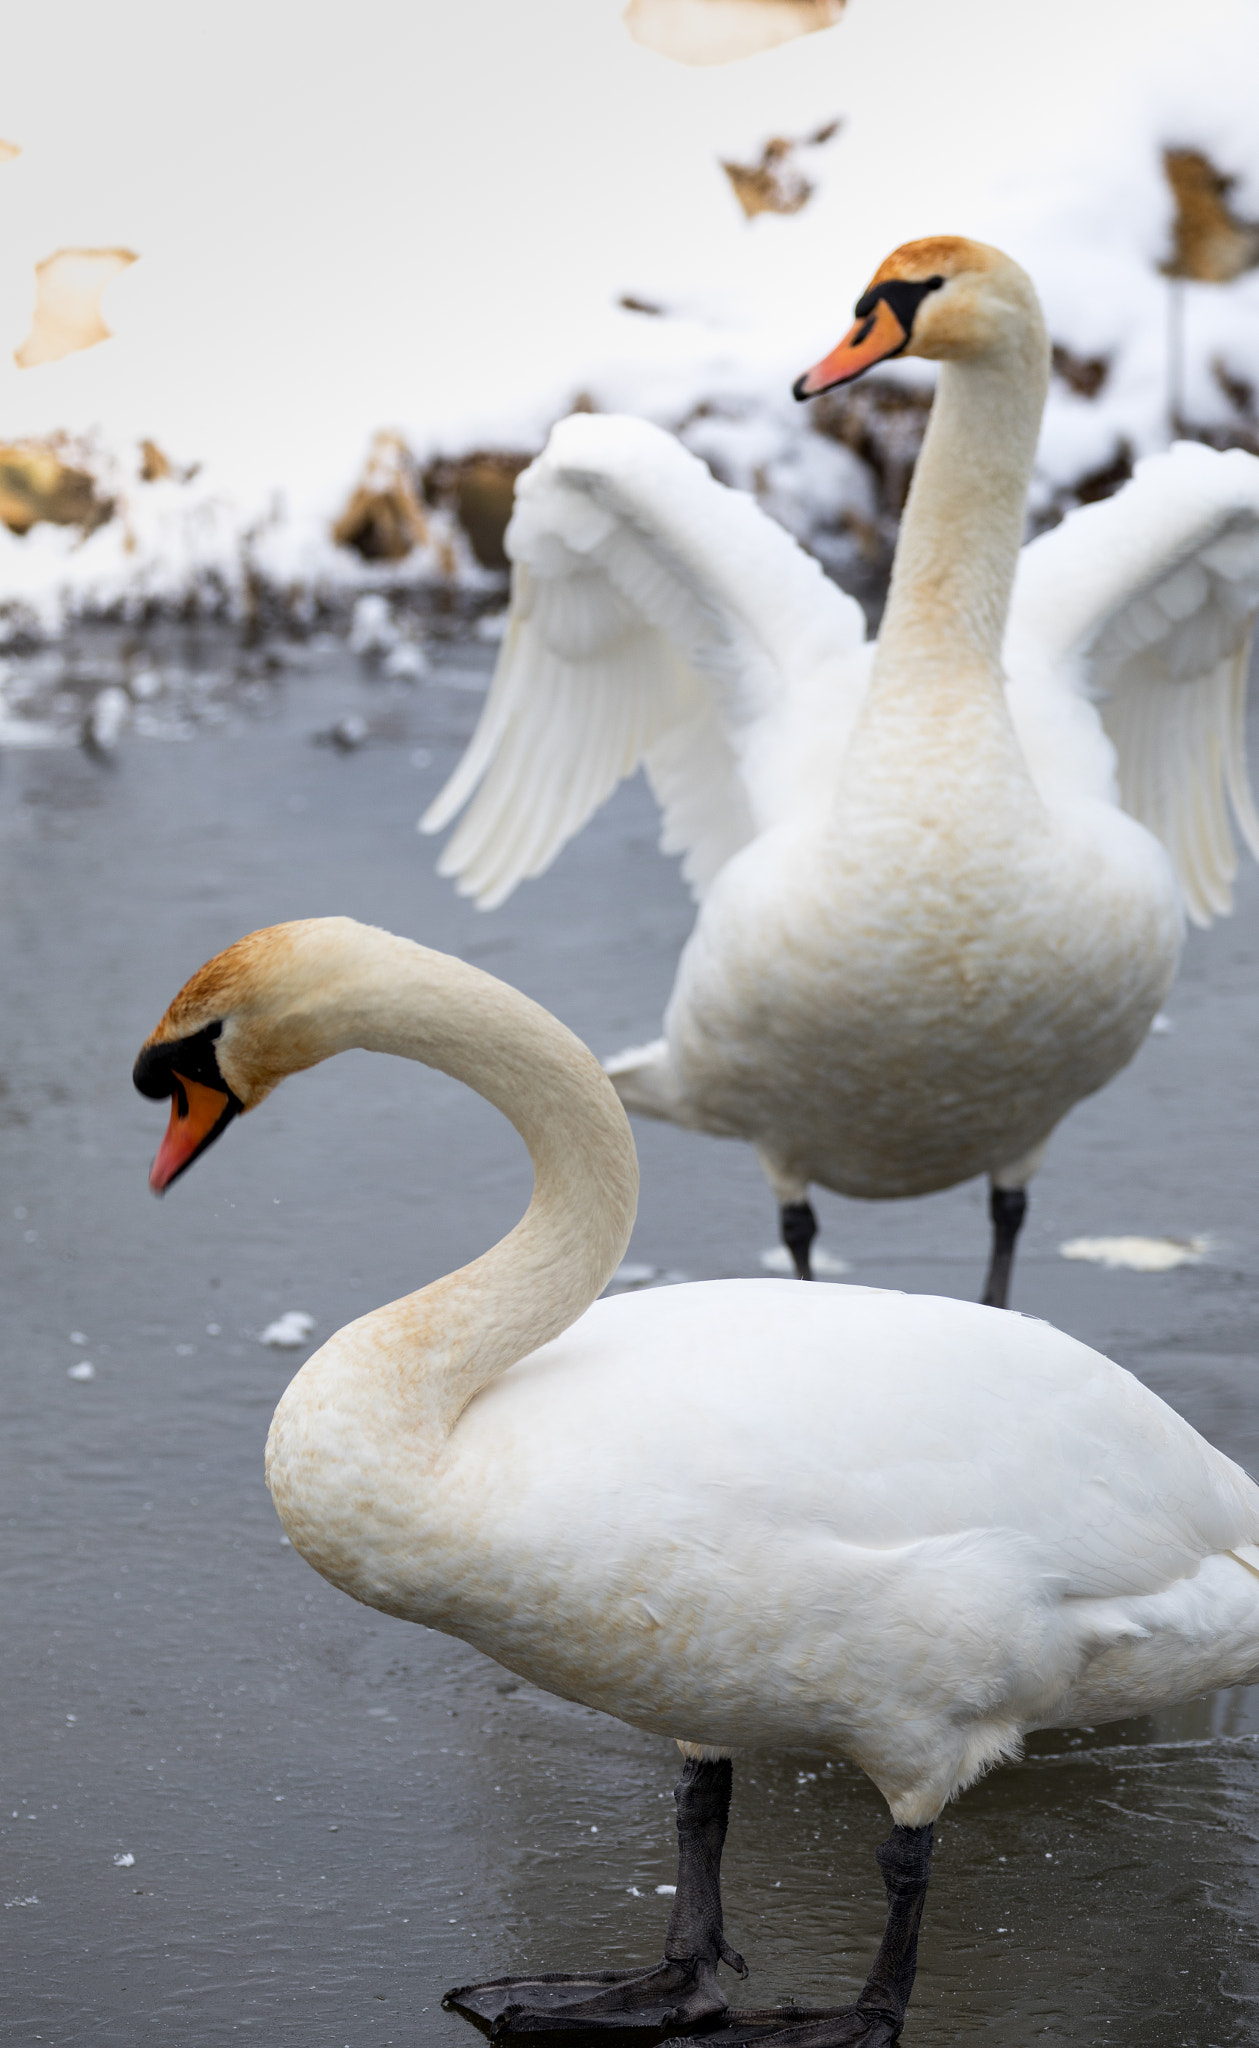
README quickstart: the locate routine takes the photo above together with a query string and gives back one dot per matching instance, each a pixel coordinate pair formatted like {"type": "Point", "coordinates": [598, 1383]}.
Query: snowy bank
{"type": "Point", "coordinates": [464, 223]}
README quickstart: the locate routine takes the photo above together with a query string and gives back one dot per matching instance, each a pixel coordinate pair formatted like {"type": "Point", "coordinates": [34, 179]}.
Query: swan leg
{"type": "Point", "coordinates": [875, 2021]}
{"type": "Point", "coordinates": [682, 1989]}
{"type": "Point", "coordinates": [1007, 1208]}
{"type": "Point", "coordinates": [799, 1228]}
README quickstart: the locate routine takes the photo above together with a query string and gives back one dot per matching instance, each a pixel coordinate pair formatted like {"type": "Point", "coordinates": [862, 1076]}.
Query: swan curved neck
{"type": "Point", "coordinates": [439, 1347]}
{"type": "Point", "coordinates": [963, 524]}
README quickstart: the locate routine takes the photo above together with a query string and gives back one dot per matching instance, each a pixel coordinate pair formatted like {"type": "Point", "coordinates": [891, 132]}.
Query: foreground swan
{"type": "Point", "coordinates": [742, 1513]}
{"type": "Point", "coordinates": [934, 908]}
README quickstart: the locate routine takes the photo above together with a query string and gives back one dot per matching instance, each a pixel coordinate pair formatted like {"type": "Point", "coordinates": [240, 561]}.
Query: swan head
{"type": "Point", "coordinates": [946, 298]}
{"type": "Point", "coordinates": [247, 1018]}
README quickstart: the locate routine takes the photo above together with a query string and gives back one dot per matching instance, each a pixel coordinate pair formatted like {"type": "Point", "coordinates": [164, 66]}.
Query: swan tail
{"type": "Point", "coordinates": [645, 1079]}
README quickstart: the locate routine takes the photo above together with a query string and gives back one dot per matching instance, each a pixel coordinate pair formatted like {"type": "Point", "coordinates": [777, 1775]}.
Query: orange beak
{"type": "Point", "coordinates": [197, 1115]}
{"type": "Point", "coordinates": [871, 341]}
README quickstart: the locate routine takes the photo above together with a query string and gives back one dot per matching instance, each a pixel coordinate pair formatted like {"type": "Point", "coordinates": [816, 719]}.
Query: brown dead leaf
{"type": "Point", "coordinates": [1209, 242]}
{"type": "Point", "coordinates": [775, 185]}
{"type": "Point", "coordinates": [721, 31]}
{"type": "Point", "coordinates": [68, 287]}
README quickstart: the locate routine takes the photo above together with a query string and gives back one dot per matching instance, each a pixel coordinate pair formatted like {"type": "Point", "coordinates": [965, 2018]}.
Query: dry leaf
{"type": "Point", "coordinates": [720, 31]}
{"type": "Point", "coordinates": [776, 184]}
{"type": "Point", "coordinates": [68, 287]}
{"type": "Point", "coordinates": [1210, 244]}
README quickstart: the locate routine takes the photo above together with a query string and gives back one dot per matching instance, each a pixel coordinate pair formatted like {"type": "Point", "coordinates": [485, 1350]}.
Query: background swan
{"type": "Point", "coordinates": [936, 909]}
{"type": "Point", "coordinates": [741, 1513]}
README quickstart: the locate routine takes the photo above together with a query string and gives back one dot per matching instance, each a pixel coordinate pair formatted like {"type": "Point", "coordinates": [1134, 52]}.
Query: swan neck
{"type": "Point", "coordinates": [437, 1348]}
{"type": "Point", "coordinates": [963, 524]}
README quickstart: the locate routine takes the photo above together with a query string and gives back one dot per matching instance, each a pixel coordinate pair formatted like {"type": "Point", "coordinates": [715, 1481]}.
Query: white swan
{"type": "Point", "coordinates": [742, 1513]}
{"type": "Point", "coordinates": [934, 909]}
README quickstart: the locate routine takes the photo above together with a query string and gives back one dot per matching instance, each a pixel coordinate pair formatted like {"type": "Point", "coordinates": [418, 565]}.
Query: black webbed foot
{"type": "Point", "coordinates": [681, 1991]}
{"type": "Point", "coordinates": [789, 2026]}
{"type": "Point", "coordinates": [645, 2002]}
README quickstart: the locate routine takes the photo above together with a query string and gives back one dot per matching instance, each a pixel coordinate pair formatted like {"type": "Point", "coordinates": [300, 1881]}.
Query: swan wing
{"type": "Point", "coordinates": [1145, 604]}
{"type": "Point", "coordinates": [657, 618]}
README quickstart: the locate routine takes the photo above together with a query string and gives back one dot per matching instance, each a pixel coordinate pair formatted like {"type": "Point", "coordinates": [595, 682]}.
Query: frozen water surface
{"type": "Point", "coordinates": [334, 1816]}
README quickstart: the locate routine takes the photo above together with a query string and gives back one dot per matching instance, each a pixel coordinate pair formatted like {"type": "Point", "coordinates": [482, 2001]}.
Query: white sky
{"type": "Point", "coordinates": [421, 212]}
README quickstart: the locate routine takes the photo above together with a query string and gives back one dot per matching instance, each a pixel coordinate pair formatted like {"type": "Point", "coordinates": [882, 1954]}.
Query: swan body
{"type": "Point", "coordinates": [737, 1512]}
{"type": "Point", "coordinates": [942, 880]}
{"type": "Point", "coordinates": [741, 1513]}
{"type": "Point", "coordinates": [864, 1552]}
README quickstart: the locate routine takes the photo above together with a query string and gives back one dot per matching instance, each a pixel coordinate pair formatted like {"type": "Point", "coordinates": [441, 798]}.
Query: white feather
{"type": "Point", "coordinates": [1145, 605]}
{"type": "Point", "coordinates": [659, 619]}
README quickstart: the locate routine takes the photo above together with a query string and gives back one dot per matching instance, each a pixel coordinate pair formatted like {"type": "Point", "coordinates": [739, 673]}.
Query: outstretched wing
{"type": "Point", "coordinates": [1146, 604]}
{"type": "Point", "coordinates": [656, 617]}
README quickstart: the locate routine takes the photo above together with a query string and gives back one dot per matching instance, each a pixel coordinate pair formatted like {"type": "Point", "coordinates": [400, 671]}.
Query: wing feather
{"type": "Point", "coordinates": [657, 619]}
{"type": "Point", "coordinates": [1145, 605]}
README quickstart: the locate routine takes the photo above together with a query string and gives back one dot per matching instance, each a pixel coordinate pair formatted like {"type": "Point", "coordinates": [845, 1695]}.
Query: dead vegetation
{"type": "Point", "coordinates": [479, 489]}
{"type": "Point", "coordinates": [1241, 428]}
{"type": "Point", "coordinates": [156, 466]}
{"type": "Point", "coordinates": [51, 480]}
{"type": "Point", "coordinates": [1084, 375]}
{"type": "Point", "coordinates": [1210, 243]}
{"type": "Point", "coordinates": [388, 513]}
{"type": "Point", "coordinates": [883, 422]}
{"type": "Point", "coordinates": [383, 518]}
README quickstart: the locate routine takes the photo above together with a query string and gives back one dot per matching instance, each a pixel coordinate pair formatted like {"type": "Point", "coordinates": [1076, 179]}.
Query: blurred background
{"type": "Point", "coordinates": [350, 277]}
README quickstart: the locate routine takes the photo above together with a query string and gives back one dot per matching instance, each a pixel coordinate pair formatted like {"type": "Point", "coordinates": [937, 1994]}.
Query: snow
{"type": "Point", "coordinates": [1138, 1254]}
{"type": "Point", "coordinates": [428, 223]}
{"type": "Point", "coordinates": [108, 717]}
{"type": "Point", "coordinates": [288, 1331]}
{"type": "Point", "coordinates": [84, 1370]}
{"type": "Point", "coordinates": [825, 1266]}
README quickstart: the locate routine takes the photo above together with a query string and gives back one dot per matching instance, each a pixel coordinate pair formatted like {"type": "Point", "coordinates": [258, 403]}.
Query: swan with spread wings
{"type": "Point", "coordinates": [942, 879]}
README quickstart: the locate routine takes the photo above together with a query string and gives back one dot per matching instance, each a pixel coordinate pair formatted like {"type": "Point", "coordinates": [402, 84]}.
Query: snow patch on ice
{"type": "Point", "coordinates": [779, 1260]}
{"type": "Point", "coordinates": [1138, 1254]}
{"type": "Point", "coordinates": [288, 1331]}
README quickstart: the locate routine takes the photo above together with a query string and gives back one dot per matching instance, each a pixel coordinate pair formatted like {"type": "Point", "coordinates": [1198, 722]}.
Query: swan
{"type": "Point", "coordinates": [741, 1513]}
{"type": "Point", "coordinates": [941, 892]}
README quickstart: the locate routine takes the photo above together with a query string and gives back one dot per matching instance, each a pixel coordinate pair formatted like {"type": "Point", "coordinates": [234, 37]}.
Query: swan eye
{"type": "Point", "coordinates": [154, 1073]}
{"type": "Point", "coordinates": [903, 295]}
